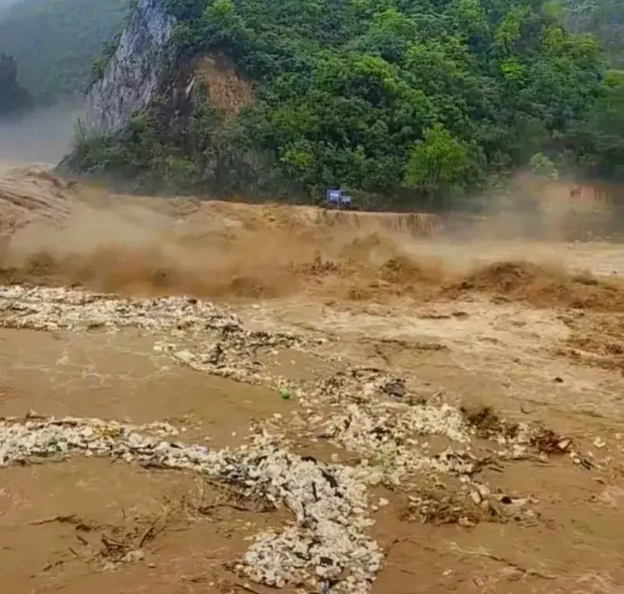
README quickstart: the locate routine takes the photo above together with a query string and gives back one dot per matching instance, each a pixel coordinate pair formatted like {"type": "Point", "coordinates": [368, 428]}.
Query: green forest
{"type": "Point", "coordinates": [54, 41]}
{"type": "Point", "coordinates": [603, 18]}
{"type": "Point", "coordinates": [429, 100]}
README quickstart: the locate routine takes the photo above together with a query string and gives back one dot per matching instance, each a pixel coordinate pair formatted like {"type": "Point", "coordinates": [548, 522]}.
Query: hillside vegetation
{"type": "Point", "coordinates": [605, 19]}
{"type": "Point", "coordinates": [428, 100]}
{"type": "Point", "coordinates": [54, 41]}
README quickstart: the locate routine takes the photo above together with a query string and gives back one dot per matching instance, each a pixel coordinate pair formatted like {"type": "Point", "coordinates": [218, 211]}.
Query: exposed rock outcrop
{"type": "Point", "coordinates": [135, 72]}
{"type": "Point", "coordinates": [173, 85]}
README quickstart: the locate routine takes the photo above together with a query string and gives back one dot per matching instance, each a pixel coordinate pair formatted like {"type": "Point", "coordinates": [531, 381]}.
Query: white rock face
{"type": "Point", "coordinates": [132, 76]}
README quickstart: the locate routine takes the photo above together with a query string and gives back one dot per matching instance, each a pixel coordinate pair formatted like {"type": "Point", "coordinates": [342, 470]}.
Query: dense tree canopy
{"type": "Point", "coordinates": [600, 139]}
{"type": "Point", "coordinates": [605, 19]}
{"type": "Point", "coordinates": [404, 98]}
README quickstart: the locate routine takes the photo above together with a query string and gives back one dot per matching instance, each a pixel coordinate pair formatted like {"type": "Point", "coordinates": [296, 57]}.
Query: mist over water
{"type": "Point", "coordinates": [43, 135]}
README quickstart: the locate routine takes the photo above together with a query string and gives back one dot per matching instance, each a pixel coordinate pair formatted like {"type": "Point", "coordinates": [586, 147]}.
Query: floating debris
{"type": "Point", "coordinates": [329, 502]}
{"type": "Point", "coordinates": [365, 410]}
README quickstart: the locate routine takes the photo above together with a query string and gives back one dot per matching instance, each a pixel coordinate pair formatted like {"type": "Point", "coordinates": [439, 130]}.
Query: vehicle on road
{"type": "Point", "coordinates": [338, 199]}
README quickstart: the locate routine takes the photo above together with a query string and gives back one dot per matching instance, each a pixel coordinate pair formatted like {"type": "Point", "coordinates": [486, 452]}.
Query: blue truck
{"type": "Point", "coordinates": [338, 199]}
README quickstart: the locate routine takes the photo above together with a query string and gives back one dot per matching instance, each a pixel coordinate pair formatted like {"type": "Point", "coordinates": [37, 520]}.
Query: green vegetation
{"type": "Point", "coordinates": [55, 40]}
{"type": "Point", "coordinates": [603, 18]}
{"type": "Point", "coordinates": [98, 64]}
{"type": "Point", "coordinates": [600, 139]}
{"type": "Point", "coordinates": [13, 97]}
{"type": "Point", "coordinates": [428, 100]}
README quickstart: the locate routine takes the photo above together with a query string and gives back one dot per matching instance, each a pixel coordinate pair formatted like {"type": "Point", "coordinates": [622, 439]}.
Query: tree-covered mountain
{"type": "Point", "coordinates": [599, 140]}
{"type": "Point", "coordinates": [409, 99]}
{"type": "Point", "coordinates": [604, 19]}
{"type": "Point", "coordinates": [13, 97]}
{"type": "Point", "coordinates": [601, 137]}
{"type": "Point", "coordinates": [54, 41]}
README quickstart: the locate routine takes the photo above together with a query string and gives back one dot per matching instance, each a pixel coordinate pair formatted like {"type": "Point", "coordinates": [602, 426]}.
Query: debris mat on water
{"type": "Point", "coordinates": [365, 410]}
{"type": "Point", "coordinates": [327, 540]}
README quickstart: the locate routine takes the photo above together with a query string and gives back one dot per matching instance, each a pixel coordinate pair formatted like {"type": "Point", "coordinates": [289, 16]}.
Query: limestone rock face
{"type": "Point", "coordinates": [133, 75]}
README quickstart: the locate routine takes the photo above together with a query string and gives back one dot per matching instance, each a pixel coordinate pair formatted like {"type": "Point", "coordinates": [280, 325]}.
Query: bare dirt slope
{"type": "Point", "coordinates": [268, 399]}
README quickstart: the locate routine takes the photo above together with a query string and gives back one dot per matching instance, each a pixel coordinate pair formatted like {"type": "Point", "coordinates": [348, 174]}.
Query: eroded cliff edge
{"type": "Point", "coordinates": [143, 59]}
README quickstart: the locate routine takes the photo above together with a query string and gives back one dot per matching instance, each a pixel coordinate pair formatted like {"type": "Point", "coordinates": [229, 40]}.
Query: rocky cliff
{"type": "Point", "coordinates": [134, 73]}
{"type": "Point", "coordinates": [186, 133]}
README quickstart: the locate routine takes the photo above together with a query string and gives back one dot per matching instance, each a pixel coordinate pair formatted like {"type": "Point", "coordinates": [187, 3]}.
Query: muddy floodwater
{"type": "Point", "coordinates": [215, 398]}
